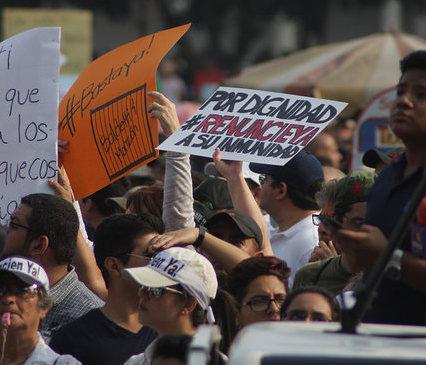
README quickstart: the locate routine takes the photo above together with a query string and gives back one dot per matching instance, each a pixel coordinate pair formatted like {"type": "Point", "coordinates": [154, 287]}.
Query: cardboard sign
{"type": "Point", "coordinates": [104, 114]}
{"type": "Point", "coordinates": [29, 74]}
{"type": "Point", "coordinates": [373, 129]}
{"type": "Point", "coordinates": [252, 125]}
{"type": "Point", "coordinates": [76, 31]}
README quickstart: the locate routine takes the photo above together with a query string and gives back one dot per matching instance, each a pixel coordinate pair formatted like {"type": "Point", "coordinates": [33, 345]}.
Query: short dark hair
{"type": "Point", "coordinates": [175, 347]}
{"type": "Point", "coordinates": [334, 305]}
{"type": "Point", "coordinates": [302, 200]}
{"type": "Point", "coordinates": [115, 237]}
{"type": "Point", "coordinates": [57, 219]}
{"type": "Point", "coordinates": [415, 59]}
{"type": "Point", "coordinates": [249, 269]}
{"type": "Point", "coordinates": [147, 199]}
{"type": "Point", "coordinates": [99, 198]}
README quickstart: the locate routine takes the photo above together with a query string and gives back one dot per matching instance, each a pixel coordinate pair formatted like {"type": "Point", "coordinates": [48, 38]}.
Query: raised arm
{"type": "Point", "coordinates": [224, 253]}
{"type": "Point", "coordinates": [241, 196]}
{"type": "Point", "coordinates": [84, 260]}
{"type": "Point", "coordinates": [178, 211]}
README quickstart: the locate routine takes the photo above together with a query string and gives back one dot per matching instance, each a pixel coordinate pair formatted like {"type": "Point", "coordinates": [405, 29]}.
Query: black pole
{"type": "Point", "coordinates": [366, 291]}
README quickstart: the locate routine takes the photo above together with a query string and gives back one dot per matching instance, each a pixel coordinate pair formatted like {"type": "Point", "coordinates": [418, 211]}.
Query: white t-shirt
{"type": "Point", "coordinates": [295, 244]}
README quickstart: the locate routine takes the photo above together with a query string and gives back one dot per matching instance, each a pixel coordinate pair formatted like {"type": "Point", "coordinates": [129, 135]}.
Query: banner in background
{"type": "Point", "coordinates": [76, 31]}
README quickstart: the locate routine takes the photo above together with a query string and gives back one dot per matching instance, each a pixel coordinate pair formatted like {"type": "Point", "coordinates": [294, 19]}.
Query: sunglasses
{"type": "Point", "coordinates": [157, 292]}
{"type": "Point", "coordinates": [302, 315]}
{"type": "Point", "coordinates": [262, 303]}
{"type": "Point", "coordinates": [326, 220]}
{"type": "Point", "coordinates": [19, 290]}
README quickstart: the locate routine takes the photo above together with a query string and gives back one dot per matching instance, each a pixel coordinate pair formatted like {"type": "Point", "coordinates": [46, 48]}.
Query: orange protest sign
{"type": "Point", "coordinates": [104, 115]}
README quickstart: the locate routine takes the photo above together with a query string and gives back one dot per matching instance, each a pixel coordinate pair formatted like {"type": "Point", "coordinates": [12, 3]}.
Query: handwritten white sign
{"type": "Point", "coordinates": [29, 74]}
{"type": "Point", "coordinates": [253, 125]}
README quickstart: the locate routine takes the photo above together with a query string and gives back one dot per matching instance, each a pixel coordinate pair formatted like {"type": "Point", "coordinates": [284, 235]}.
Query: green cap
{"type": "Point", "coordinates": [353, 188]}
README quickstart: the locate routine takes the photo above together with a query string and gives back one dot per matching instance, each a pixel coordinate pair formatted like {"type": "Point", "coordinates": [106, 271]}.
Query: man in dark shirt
{"type": "Point", "coordinates": [401, 301]}
{"type": "Point", "coordinates": [113, 333]}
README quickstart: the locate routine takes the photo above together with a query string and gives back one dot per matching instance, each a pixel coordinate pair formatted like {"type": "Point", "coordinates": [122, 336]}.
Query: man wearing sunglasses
{"type": "Point", "coordinates": [44, 228]}
{"type": "Point", "coordinates": [113, 333]}
{"type": "Point", "coordinates": [348, 211]}
{"type": "Point", "coordinates": [24, 302]}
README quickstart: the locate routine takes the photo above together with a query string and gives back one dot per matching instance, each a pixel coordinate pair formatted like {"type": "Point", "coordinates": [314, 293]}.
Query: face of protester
{"type": "Point", "coordinates": [136, 258]}
{"type": "Point", "coordinates": [408, 112]}
{"type": "Point", "coordinates": [263, 300]}
{"type": "Point", "coordinates": [324, 233]}
{"type": "Point", "coordinates": [309, 307]}
{"type": "Point", "coordinates": [328, 147]}
{"type": "Point", "coordinates": [228, 231]}
{"type": "Point", "coordinates": [160, 313]}
{"type": "Point", "coordinates": [268, 194]}
{"type": "Point", "coordinates": [23, 305]}
{"type": "Point", "coordinates": [18, 232]}
{"type": "Point", "coordinates": [355, 217]}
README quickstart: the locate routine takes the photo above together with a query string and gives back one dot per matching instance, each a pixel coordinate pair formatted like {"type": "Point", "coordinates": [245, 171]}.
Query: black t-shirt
{"type": "Point", "coordinates": [396, 302]}
{"type": "Point", "coordinates": [94, 339]}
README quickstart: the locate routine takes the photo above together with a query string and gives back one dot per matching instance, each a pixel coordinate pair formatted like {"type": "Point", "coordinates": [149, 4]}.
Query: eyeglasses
{"type": "Point", "coordinates": [145, 259]}
{"type": "Point", "coordinates": [18, 290]}
{"type": "Point", "coordinates": [157, 292]}
{"type": "Point", "coordinates": [326, 220]}
{"type": "Point", "coordinates": [15, 225]}
{"type": "Point", "coordinates": [262, 303]}
{"type": "Point", "coordinates": [302, 315]}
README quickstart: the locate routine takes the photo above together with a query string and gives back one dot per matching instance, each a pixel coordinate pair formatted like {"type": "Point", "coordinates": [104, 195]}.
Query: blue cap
{"type": "Point", "coordinates": [301, 172]}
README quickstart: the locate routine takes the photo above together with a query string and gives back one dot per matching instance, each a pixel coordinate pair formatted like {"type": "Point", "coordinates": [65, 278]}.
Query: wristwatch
{"type": "Point", "coordinates": [393, 270]}
{"type": "Point", "coordinates": [200, 238]}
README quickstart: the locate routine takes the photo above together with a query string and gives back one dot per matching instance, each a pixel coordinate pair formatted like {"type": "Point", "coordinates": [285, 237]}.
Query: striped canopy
{"type": "Point", "coordinates": [351, 71]}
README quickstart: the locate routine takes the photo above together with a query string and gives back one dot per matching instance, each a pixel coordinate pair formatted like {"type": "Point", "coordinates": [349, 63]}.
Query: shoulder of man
{"type": "Point", "coordinates": [73, 332]}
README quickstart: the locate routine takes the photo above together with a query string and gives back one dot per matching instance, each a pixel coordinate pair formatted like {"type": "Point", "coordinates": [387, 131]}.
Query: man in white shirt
{"type": "Point", "coordinates": [288, 195]}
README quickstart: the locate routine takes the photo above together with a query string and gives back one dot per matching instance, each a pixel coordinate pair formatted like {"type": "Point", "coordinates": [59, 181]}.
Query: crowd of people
{"type": "Point", "coordinates": [128, 274]}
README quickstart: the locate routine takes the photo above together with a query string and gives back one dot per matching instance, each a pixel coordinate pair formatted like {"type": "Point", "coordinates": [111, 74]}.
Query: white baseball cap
{"type": "Point", "coordinates": [28, 271]}
{"type": "Point", "coordinates": [182, 266]}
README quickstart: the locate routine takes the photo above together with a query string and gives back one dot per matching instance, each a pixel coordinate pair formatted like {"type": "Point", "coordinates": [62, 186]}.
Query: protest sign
{"type": "Point", "coordinates": [372, 130]}
{"type": "Point", "coordinates": [29, 73]}
{"type": "Point", "coordinates": [253, 125]}
{"type": "Point", "coordinates": [76, 31]}
{"type": "Point", "coordinates": [104, 114]}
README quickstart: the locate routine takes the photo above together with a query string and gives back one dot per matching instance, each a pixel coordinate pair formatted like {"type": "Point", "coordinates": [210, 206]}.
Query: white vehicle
{"type": "Point", "coordinates": [301, 343]}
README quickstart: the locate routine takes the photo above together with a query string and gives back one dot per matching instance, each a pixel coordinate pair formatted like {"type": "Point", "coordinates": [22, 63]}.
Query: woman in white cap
{"type": "Point", "coordinates": [24, 302]}
{"type": "Point", "coordinates": [175, 293]}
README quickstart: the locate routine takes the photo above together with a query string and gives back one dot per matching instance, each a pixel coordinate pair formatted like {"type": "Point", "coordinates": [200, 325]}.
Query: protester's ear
{"type": "Point", "coordinates": [282, 190]}
{"type": "Point", "coordinates": [259, 254]}
{"type": "Point", "coordinates": [256, 194]}
{"type": "Point", "coordinates": [38, 246]}
{"type": "Point", "coordinates": [113, 266]}
{"type": "Point", "coordinates": [189, 307]}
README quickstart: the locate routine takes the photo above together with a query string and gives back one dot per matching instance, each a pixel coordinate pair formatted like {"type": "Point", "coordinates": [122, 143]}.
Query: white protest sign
{"type": "Point", "coordinates": [253, 125]}
{"type": "Point", "coordinates": [29, 74]}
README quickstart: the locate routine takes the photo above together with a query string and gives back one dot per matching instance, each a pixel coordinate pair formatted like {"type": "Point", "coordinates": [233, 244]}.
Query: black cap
{"type": "Point", "coordinates": [214, 191]}
{"type": "Point", "coordinates": [373, 157]}
{"type": "Point", "coordinates": [301, 172]}
{"type": "Point", "coordinates": [245, 223]}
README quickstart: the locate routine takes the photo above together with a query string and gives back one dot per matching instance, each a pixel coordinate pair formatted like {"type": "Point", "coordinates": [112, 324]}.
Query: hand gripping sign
{"type": "Point", "coordinates": [104, 115]}
{"type": "Point", "coordinates": [253, 125]}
